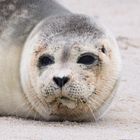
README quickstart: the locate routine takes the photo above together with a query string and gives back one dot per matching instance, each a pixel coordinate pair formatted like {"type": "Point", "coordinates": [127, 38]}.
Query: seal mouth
{"type": "Point", "coordinates": [68, 102]}
{"type": "Point", "coordinates": [65, 101]}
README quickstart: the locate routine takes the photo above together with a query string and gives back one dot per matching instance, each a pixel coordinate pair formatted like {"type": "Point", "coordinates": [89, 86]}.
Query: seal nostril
{"type": "Point", "coordinates": [65, 80]}
{"type": "Point", "coordinates": [60, 81]}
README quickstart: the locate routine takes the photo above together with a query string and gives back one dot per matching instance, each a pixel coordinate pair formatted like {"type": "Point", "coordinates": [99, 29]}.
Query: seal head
{"type": "Point", "coordinates": [69, 69]}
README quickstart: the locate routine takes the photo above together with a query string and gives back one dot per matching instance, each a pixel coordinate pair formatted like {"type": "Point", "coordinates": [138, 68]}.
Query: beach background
{"type": "Point", "coordinates": [122, 120]}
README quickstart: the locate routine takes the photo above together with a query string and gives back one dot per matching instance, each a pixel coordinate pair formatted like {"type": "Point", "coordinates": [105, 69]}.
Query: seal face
{"type": "Point", "coordinates": [69, 68]}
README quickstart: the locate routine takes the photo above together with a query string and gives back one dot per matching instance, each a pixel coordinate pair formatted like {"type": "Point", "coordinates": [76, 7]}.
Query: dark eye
{"type": "Point", "coordinates": [87, 59]}
{"type": "Point", "coordinates": [45, 60]}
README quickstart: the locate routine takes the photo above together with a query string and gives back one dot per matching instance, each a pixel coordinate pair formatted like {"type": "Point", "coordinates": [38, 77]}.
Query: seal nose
{"type": "Point", "coordinates": [60, 81]}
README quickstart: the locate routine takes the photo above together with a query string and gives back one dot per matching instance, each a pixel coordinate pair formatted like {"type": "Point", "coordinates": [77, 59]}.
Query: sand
{"type": "Point", "coordinates": [122, 121]}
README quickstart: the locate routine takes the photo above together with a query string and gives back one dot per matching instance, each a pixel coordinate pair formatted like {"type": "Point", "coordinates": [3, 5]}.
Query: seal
{"type": "Point", "coordinates": [55, 65]}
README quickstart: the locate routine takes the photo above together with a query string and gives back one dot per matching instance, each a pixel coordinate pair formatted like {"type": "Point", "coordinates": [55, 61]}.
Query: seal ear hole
{"type": "Point", "coordinates": [103, 49]}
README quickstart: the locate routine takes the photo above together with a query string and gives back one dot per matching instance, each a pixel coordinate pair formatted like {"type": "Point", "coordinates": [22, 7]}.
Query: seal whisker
{"type": "Point", "coordinates": [41, 105]}
{"type": "Point", "coordinates": [30, 109]}
{"type": "Point", "coordinates": [99, 103]}
{"type": "Point", "coordinates": [97, 97]}
{"type": "Point", "coordinates": [88, 105]}
{"type": "Point", "coordinates": [84, 103]}
{"type": "Point", "coordinates": [94, 101]}
{"type": "Point", "coordinates": [93, 104]}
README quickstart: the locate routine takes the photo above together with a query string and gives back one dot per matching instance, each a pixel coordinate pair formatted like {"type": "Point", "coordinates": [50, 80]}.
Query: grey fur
{"type": "Point", "coordinates": [20, 16]}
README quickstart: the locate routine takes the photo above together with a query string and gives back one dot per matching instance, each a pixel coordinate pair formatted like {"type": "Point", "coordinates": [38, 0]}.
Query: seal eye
{"type": "Point", "coordinates": [87, 59]}
{"type": "Point", "coordinates": [45, 60]}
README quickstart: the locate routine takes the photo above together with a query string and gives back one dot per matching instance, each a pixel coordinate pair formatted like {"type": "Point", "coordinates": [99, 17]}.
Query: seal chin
{"type": "Point", "coordinates": [63, 101]}
{"type": "Point", "coordinates": [65, 108]}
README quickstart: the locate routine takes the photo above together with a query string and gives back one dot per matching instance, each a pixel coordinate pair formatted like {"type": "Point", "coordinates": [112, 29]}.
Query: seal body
{"type": "Point", "coordinates": [54, 65]}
